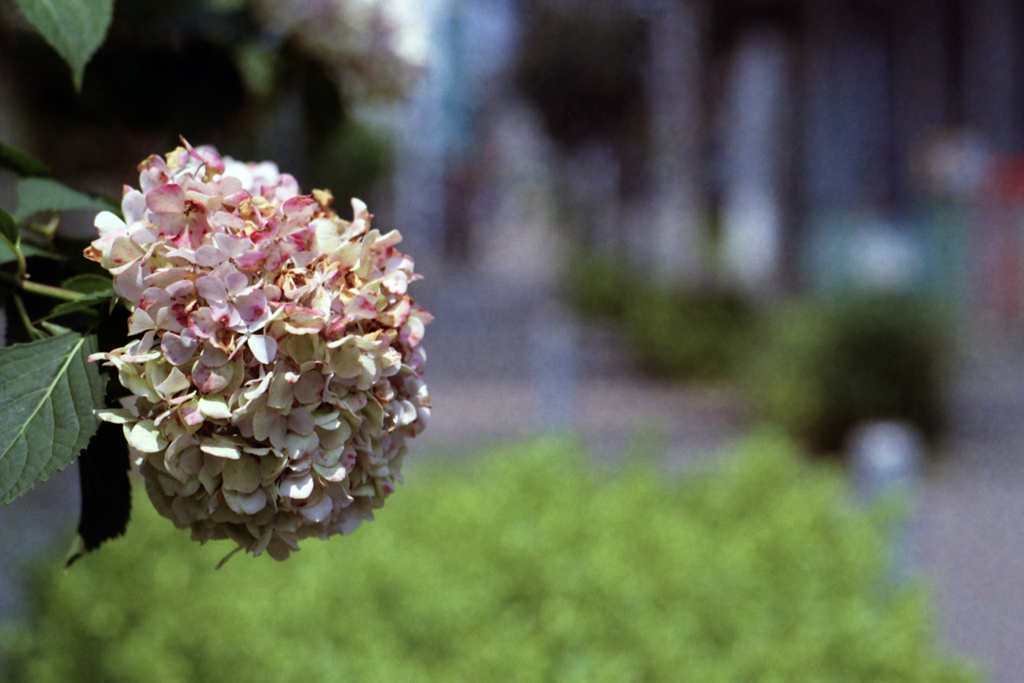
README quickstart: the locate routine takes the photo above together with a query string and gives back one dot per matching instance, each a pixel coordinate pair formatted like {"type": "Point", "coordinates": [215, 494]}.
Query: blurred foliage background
{"type": "Point", "coordinates": [525, 563]}
{"type": "Point", "coordinates": [816, 366]}
{"type": "Point", "coordinates": [231, 71]}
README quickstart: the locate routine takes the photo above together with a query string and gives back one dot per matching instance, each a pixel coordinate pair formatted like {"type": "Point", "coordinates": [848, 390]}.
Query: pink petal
{"type": "Point", "coordinates": [297, 486]}
{"type": "Point", "coordinates": [168, 198]}
{"type": "Point", "coordinates": [319, 511]}
{"type": "Point", "coordinates": [139, 322]}
{"type": "Point", "coordinates": [152, 173]}
{"type": "Point", "coordinates": [209, 155]}
{"type": "Point", "coordinates": [237, 198]}
{"type": "Point", "coordinates": [171, 224]}
{"type": "Point", "coordinates": [180, 288]}
{"type": "Point", "coordinates": [203, 323]}
{"type": "Point", "coordinates": [252, 307]}
{"type": "Point", "coordinates": [123, 251]}
{"type": "Point", "coordinates": [231, 245]}
{"type": "Point", "coordinates": [263, 347]}
{"type": "Point", "coordinates": [178, 349]}
{"type": "Point", "coordinates": [211, 381]}
{"type": "Point", "coordinates": [212, 289]}
{"type": "Point", "coordinates": [128, 283]}
{"type": "Point", "coordinates": [227, 315]}
{"type": "Point", "coordinates": [204, 153]}
{"type": "Point", "coordinates": [297, 204]}
{"type": "Point", "coordinates": [190, 415]}
{"type": "Point", "coordinates": [197, 227]}
{"type": "Point", "coordinates": [210, 256]}
{"type": "Point", "coordinates": [212, 357]}
{"type": "Point", "coordinates": [388, 240]}
{"type": "Point", "coordinates": [245, 503]}
{"type": "Point", "coordinates": [133, 205]}
{"type": "Point", "coordinates": [236, 281]}
{"type": "Point", "coordinates": [359, 307]}
{"type": "Point", "coordinates": [300, 421]}
{"type": "Point", "coordinates": [151, 296]}
{"type": "Point", "coordinates": [163, 279]}
{"type": "Point", "coordinates": [226, 221]}
{"type": "Point", "coordinates": [171, 318]}
{"type": "Point", "coordinates": [108, 224]}
{"type": "Point", "coordinates": [250, 259]}
{"type": "Point", "coordinates": [228, 185]}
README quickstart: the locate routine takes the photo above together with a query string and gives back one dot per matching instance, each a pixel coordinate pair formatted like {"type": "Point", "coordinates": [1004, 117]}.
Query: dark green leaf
{"type": "Point", "coordinates": [48, 392]}
{"type": "Point", "coordinates": [106, 490]}
{"type": "Point", "coordinates": [74, 28]}
{"type": "Point", "coordinates": [46, 194]}
{"type": "Point", "coordinates": [30, 250]}
{"type": "Point", "coordinates": [87, 283]}
{"type": "Point", "coordinates": [22, 163]}
{"type": "Point", "coordinates": [87, 301]}
{"type": "Point", "coordinates": [6, 255]}
{"type": "Point", "coordinates": [8, 227]}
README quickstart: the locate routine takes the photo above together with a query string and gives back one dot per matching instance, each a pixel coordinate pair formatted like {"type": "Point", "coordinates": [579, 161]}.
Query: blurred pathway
{"type": "Point", "coordinates": [971, 517]}
{"type": "Point", "coordinates": [690, 425]}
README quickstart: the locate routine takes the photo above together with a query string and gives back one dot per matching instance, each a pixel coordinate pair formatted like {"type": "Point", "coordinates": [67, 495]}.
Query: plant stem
{"type": "Point", "coordinates": [16, 248]}
{"type": "Point", "coordinates": [39, 288]}
{"type": "Point", "coordinates": [23, 314]}
{"type": "Point", "coordinates": [50, 291]}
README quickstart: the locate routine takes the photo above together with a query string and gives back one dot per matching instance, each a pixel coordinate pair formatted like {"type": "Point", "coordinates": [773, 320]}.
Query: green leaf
{"type": "Point", "coordinates": [7, 227]}
{"type": "Point", "coordinates": [30, 250]}
{"type": "Point", "coordinates": [45, 194]}
{"type": "Point", "coordinates": [22, 163]}
{"type": "Point", "coordinates": [74, 28]}
{"type": "Point", "coordinates": [48, 392]}
{"type": "Point", "coordinates": [7, 255]}
{"type": "Point", "coordinates": [87, 301]}
{"type": "Point", "coordinates": [87, 283]}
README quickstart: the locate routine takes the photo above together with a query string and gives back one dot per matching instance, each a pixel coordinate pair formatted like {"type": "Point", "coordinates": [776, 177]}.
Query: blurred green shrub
{"type": "Point", "coordinates": [601, 287]}
{"type": "Point", "coordinates": [533, 565]}
{"type": "Point", "coordinates": [701, 335]}
{"type": "Point", "coordinates": [826, 366]}
{"type": "Point", "coordinates": [676, 334]}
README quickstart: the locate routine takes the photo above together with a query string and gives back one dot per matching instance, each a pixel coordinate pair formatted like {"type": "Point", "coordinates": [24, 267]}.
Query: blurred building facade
{"type": "Point", "coordinates": [765, 145]}
{"type": "Point", "coordinates": [784, 144]}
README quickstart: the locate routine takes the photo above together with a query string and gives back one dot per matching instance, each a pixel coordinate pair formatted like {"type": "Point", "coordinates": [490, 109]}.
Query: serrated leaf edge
{"type": "Point", "coordinates": [14, 492]}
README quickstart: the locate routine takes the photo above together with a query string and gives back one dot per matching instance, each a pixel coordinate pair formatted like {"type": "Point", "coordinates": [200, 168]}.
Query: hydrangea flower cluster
{"type": "Point", "coordinates": [275, 366]}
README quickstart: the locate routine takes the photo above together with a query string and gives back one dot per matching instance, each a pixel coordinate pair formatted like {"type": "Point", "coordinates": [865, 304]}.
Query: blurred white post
{"type": "Point", "coordinates": [754, 131]}
{"type": "Point", "coordinates": [593, 175]}
{"type": "Point", "coordinates": [887, 458]}
{"type": "Point", "coordinates": [554, 367]}
{"type": "Point", "coordinates": [422, 145]}
{"type": "Point", "coordinates": [674, 100]}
